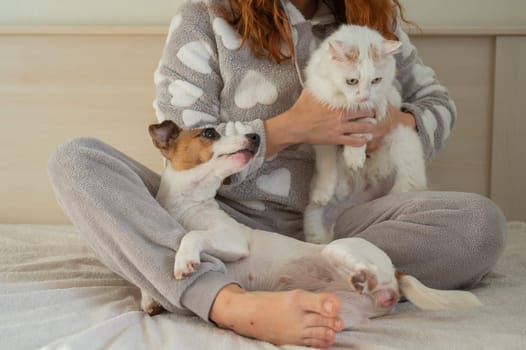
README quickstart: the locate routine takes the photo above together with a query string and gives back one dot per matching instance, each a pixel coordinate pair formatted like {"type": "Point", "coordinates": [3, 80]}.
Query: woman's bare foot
{"type": "Point", "coordinates": [292, 317]}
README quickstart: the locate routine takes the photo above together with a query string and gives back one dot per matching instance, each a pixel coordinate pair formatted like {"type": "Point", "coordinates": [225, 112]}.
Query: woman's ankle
{"type": "Point", "coordinates": [223, 305]}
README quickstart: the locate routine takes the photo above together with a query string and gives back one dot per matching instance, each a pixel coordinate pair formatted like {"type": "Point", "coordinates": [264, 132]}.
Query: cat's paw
{"type": "Point", "coordinates": [323, 191]}
{"type": "Point", "coordinates": [186, 262]}
{"type": "Point", "coordinates": [320, 196]}
{"type": "Point", "coordinates": [354, 157]}
{"type": "Point", "coordinates": [149, 305]}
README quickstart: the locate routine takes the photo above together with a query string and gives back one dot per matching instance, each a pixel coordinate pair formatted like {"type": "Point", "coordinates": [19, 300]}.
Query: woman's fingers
{"type": "Point", "coordinates": [351, 140]}
{"type": "Point", "coordinates": [359, 114]}
{"type": "Point", "coordinates": [357, 128]}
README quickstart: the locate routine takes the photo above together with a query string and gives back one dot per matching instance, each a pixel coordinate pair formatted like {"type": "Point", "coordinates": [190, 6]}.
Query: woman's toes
{"type": "Point", "coordinates": [322, 336]}
{"type": "Point", "coordinates": [337, 324]}
{"type": "Point", "coordinates": [315, 343]}
{"type": "Point", "coordinates": [324, 303]}
{"type": "Point", "coordinates": [317, 320]}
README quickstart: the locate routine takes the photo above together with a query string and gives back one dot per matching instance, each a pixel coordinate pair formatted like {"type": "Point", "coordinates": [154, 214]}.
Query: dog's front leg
{"type": "Point", "coordinates": [225, 244]}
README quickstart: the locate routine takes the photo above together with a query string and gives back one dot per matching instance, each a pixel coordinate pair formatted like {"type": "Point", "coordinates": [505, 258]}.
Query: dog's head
{"type": "Point", "coordinates": [205, 147]}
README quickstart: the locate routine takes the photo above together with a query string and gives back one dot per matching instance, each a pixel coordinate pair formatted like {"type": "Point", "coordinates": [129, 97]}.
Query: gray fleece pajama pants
{"type": "Point", "coordinates": [446, 239]}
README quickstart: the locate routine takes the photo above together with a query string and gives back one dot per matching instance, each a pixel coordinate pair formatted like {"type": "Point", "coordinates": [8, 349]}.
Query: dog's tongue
{"type": "Point", "coordinates": [243, 156]}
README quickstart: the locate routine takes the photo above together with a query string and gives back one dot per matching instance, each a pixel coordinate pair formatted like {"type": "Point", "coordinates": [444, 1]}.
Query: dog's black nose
{"type": "Point", "coordinates": [253, 138]}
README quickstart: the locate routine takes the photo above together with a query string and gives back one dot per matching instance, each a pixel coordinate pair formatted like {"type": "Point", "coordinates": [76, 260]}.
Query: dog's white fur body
{"type": "Point", "coordinates": [361, 273]}
{"type": "Point", "coordinates": [360, 54]}
{"type": "Point", "coordinates": [259, 259]}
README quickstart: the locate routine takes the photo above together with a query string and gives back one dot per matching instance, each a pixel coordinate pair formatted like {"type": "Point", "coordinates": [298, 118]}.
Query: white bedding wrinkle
{"type": "Point", "coordinates": [54, 294]}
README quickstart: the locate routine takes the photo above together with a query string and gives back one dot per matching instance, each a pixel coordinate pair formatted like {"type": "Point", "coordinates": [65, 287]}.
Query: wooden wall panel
{"type": "Point", "coordinates": [60, 85]}
{"type": "Point", "coordinates": [508, 185]}
{"type": "Point", "coordinates": [56, 87]}
{"type": "Point", "coordinates": [464, 65]}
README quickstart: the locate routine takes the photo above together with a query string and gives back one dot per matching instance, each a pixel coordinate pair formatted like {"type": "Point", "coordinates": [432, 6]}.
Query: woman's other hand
{"type": "Point", "coordinates": [393, 118]}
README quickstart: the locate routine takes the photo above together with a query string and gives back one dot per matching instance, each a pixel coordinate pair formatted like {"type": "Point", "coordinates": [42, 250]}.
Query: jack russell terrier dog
{"type": "Point", "coordinates": [357, 271]}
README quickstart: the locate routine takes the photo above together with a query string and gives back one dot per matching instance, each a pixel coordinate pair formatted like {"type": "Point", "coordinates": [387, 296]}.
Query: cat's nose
{"type": "Point", "coordinates": [364, 98]}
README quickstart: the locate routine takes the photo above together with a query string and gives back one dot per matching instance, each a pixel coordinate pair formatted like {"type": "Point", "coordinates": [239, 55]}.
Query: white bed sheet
{"type": "Point", "coordinates": [54, 294]}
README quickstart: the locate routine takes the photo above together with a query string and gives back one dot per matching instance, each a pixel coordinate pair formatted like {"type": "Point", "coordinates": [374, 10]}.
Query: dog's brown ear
{"type": "Point", "coordinates": [399, 275]}
{"type": "Point", "coordinates": [162, 133]}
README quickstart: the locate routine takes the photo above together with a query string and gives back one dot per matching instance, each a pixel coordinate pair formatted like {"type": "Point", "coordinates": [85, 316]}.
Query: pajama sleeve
{"type": "Point", "coordinates": [188, 80]}
{"type": "Point", "coordinates": [188, 84]}
{"type": "Point", "coordinates": [424, 97]}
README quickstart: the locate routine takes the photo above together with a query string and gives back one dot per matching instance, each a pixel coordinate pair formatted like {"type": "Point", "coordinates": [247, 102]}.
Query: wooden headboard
{"type": "Point", "coordinates": [57, 83]}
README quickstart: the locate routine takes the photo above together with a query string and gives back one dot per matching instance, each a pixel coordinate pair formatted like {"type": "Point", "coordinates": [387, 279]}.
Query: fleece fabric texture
{"type": "Point", "coordinates": [206, 78]}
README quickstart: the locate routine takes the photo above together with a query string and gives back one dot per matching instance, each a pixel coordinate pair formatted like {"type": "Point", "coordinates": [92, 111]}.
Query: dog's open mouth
{"type": "Point", "coordinates": [249, 152]}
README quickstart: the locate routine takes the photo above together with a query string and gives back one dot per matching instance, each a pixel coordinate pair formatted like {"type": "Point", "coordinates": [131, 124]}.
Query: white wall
{"type": "Point", "coordinates": [442, 13]}
{"type": "Point", "coordinates": [467, 13]}
{"type": "Point", "coordinates": [86, 12]}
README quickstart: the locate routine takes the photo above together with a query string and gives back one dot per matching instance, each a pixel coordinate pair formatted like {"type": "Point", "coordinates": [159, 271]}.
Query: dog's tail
{"type": "Point", "coordinates": [433, 299]}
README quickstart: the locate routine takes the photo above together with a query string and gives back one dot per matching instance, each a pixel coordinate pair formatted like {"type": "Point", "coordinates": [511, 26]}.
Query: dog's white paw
{"type": "Point", "coordinates": [354, 157]}
{"type": "Point", "coordinates": [351, 255]}
{"type": "Point", "coordinates": [186, 262]}
{"type": "Point", "coordinates": [363, 280]}
{"type": "Point", "coordinates": [149, 305]}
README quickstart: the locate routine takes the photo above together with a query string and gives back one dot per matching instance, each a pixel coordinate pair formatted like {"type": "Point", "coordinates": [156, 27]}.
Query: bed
{"type": "Point", "coordinates": [54, 294]}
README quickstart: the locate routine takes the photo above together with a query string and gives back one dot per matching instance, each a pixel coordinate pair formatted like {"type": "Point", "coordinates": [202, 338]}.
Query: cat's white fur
{"type": "Point", "coordinates": [341, 73]}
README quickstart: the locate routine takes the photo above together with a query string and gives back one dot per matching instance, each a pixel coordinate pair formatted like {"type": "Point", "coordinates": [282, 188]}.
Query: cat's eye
{"type": "Point", "coordinates": [210, 133]}
{"type": "Point", "coordinates": [376, 80]}
{"type": "Point", "coordinates": [352, 81]}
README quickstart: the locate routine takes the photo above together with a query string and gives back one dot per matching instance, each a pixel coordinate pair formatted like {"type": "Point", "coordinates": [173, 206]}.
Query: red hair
{"type": "Point", "coordinates": [263, 24]}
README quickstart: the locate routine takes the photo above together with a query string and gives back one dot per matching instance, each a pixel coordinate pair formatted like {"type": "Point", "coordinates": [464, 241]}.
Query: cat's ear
{"type": "Point", "coordinates": [337, 50]}
{"type": "Point", "coordinates": [389, 47]}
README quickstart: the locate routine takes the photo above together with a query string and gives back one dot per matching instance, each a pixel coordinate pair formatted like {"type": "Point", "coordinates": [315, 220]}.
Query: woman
{"type": "Point", "coordinates": [243, 61]}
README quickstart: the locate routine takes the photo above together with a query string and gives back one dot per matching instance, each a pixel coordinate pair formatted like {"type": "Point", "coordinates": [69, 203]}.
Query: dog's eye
{"type": "Point", "coordinates": [210, 133]}
{"type": "Point", "coordinates": [376, 80]}
{"type": "Point", "coordinates": [352, 81]}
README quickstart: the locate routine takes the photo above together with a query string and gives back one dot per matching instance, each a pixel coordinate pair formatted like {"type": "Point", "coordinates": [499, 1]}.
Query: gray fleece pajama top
{"type": "Point", "coordinates": [205, 78]}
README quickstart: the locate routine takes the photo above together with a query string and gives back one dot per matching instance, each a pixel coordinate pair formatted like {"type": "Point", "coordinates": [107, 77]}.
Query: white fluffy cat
{"type": "Point", "coordinates": [354, 68]}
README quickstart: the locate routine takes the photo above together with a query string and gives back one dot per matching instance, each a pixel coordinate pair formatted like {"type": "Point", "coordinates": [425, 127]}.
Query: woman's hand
{"type": "Point", "coordinates": [309, 121]}
{"type": "Point", "coordinates": [393, 118]}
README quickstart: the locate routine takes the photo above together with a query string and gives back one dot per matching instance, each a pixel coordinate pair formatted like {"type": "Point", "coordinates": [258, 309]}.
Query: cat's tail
{"type": "Point", "coordinates": [433, 299]}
